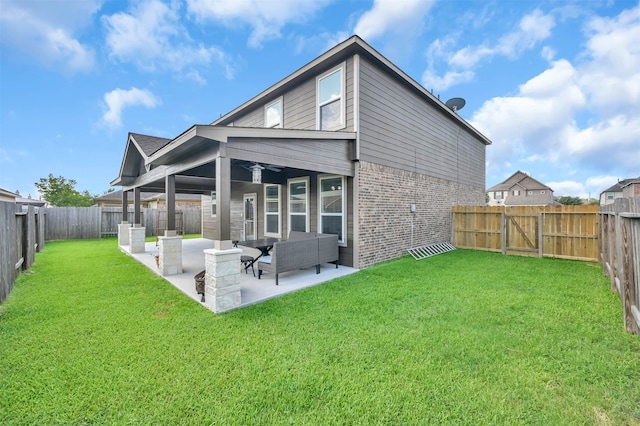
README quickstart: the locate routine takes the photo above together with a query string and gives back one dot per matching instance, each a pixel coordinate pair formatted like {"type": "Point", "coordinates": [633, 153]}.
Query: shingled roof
{"type": "Point", "coordinates": [149, 144]}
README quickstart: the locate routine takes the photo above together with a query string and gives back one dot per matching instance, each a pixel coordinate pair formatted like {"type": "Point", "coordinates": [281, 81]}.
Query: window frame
{"type": "Point", "coordinates": [342, 99]}
{"type": "Point", "coordinates": [214, 204]}
{"type": "Point", "coordinates": [269, 105]}
{"type": "Point", "coordinates": [342, 241]}
{"type": "Point", "coordinates": [278, 214]}
{"type": "Point", "coordinates": [307, 198]}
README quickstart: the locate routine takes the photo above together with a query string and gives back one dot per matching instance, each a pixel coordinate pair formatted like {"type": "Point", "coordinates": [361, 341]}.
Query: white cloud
{"type": "Point", "coordinates": [152, 37]}
{"type": "Point", "coordinates": [532, 29]}
{"type": "Point", "coordinates": [567, 187]}
{"type": "Point", "coordinates": [117, 100]}
{"type": "Point", "coordinates": [611, 73]}
{"type": "Point", "coordinates": [390, 16]}
{"type": "Point", "coordinates": [267, 18]}
{"type": "Point", "coordinates": [450, 79]}
{"type": "Point", "coordinates": [581, 116]}
{"type": "Point", "coordinates": [44, 30]}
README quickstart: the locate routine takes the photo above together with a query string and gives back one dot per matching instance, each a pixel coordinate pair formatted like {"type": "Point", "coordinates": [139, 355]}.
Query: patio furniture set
{"type": "Point", "coordinates": [302, 250]}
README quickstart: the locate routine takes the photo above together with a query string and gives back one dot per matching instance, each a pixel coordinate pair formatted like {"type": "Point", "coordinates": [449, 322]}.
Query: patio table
{"type": "Point", "coordinates": [262, 244]}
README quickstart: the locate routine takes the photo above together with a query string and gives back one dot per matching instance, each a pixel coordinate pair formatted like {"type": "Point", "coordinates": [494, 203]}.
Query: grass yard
{"type": "Point", "coordinates": [89, 336]}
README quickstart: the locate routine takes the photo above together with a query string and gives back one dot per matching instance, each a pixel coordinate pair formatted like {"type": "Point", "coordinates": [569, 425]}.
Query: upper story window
{"type": "Point", "coordinates": [516, 192]}
{"type": "Point", "coordinates": [330, 95]}
{"type": "Point", "coordinates": [498, 195]}
{"type": "Point", "coordinates": [273, 114]}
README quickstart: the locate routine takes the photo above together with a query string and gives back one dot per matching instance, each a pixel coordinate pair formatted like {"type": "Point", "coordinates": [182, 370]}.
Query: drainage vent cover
{"type": "Point", "coordinates": [423, 252]}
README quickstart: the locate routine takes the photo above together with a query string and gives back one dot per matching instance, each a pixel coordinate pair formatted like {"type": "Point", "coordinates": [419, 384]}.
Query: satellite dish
{"type": "Point", "coordinates": [456, 104]}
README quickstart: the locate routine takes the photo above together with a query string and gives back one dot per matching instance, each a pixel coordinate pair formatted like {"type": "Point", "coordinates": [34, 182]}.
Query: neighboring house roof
{"type": "Point", "coordinates": [116, 197]}
{"type": "Point", "coordinates": [7, 194]}
{"type": "Point", "coordinates": [31, 202]}
{"type": "Point", "coordinates": [520, 179]}
{"type": "Point", "coordinates": [617, 187]}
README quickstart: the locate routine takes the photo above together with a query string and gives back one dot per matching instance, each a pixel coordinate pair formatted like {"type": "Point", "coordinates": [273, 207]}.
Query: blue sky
{"type": "Point", "coordinates": [554, 84]}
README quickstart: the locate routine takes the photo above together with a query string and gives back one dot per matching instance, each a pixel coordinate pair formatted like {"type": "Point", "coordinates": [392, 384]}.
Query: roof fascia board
{"type": "Point", "coordinates": [149, 177]}
{"type": "Point", "coordinates": [354, 45]}
{"type": "Point", "coordinates": [224, 133]}
{"type": "Point", "coordinates": [124, 158]}
{"type": "Point", "coordinates": [337, 49]}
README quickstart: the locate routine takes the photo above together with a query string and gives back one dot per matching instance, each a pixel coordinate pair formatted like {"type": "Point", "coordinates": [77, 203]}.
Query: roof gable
{"type": "Point", "coordinates": [348, 48]}
{"type": "Point", "coordinates": [521, 180]}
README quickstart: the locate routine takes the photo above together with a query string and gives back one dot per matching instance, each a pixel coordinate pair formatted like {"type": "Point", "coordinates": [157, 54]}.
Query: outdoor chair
{"type": "Point", "coordinates": [245, 260]}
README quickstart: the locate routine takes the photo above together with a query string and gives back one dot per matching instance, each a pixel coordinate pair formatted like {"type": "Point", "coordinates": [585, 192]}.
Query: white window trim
{"type": "Point", "coordinates": [214, 202]}
{"type": "Point", "coordinates": [266, 107]}
{"type": "Point", "coordinates": [279, 214]}
{"type": "Point", "coordinates": [342, 67]}
{"type": "Point", "coordinates": [289, 182]}
{"type": "Point", "coordinates": [342, 242]}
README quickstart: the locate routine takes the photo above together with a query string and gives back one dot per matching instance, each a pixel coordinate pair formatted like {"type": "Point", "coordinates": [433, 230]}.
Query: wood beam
{"type": "Point", "coordinates": [223, 197]}
{"type": "Point", "coordinates": [125, 206]}
{"type": "Point", "coordinates": [136, 206]}
{"type": "Point", "coordinates": [170, 192]}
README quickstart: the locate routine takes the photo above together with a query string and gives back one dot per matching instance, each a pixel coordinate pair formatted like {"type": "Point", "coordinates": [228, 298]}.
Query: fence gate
{"type": "Point", "coordinates": [521, 233]}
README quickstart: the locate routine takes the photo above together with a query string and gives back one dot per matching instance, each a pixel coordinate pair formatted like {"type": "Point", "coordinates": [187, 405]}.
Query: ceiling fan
{"type": "Point", "coordinates": [264, 166]}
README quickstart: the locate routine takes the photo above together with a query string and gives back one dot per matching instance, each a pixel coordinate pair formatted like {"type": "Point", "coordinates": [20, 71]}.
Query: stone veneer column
{"type": "Point", "coordinates": [170, 251]}
{"type": "Point", "coordinates": [123, 233]}
{"type": "Point", "coordinates": [222, 279]}
{"type": "Point", "coordinates": [136, 239]}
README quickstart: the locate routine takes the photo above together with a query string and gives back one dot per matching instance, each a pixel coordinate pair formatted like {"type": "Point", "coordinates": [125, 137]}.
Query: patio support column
{"type": "Point", "coordinates": [136, 206]}
{"type": "Point", "coordinates": [170, 255]}
{"type": "Point", "coordinates": [123, 226]}
{"type": "Point", "coordinates": [136, 239]}
{"type": "Point", "coordinates": [170, 192]}
{"type": "Point", "coordinates": [170, 245]}
{"type": "Point", "coordinates": [223, 197]}
{"type": "Point", "coordinates": [222, 279]}
{"type": "Point", "coordinates": [136, 232]}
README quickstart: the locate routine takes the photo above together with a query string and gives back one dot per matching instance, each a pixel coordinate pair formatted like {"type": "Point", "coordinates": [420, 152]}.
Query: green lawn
{"type": "Point", "coordinates": [89, 336]}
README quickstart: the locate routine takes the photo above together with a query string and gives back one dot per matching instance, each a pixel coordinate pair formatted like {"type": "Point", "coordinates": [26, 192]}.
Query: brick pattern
{"type": "Point", "coordinates": [385, 220]}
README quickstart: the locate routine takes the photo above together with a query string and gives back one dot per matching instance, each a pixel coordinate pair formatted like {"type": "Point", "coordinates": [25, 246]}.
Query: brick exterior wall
{"type": "Point", "coordinates": [385, 220]}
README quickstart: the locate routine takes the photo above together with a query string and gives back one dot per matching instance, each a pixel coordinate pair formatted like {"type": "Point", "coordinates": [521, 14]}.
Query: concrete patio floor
{"type": "Point", "coordinates": [252, 290]}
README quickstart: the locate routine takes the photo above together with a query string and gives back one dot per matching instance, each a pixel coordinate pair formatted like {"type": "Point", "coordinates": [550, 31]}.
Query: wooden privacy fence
{"type": "Point", "coordinates": [620, 255]}
{"type": "Point", "coordinates": [65, 223]}
{"type": "Point", "coordinates": [568, 232]}
{"type": "Point", "coordinates": [21, 236]}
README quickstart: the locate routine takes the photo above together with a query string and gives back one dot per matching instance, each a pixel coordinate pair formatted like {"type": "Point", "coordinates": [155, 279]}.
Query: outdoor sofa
{"type": "Point", "coordinates": [301, 250]}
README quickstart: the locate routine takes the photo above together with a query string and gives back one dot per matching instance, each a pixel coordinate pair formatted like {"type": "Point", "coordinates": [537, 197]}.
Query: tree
{"type": "Point", "coordinates": [61, 192]}
{"type": "Point", "coordinates": [569, 201]}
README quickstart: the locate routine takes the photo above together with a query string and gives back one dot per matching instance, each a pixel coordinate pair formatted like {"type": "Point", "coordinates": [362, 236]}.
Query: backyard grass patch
{"type": "Point", "coordinates": [91, 336]}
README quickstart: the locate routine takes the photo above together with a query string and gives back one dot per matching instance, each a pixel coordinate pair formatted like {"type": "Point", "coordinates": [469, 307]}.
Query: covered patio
{"type": "Point", "coordinates": [252, 289]}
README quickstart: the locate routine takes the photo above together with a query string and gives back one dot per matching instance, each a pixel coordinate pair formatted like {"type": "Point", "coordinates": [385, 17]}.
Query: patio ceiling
{"type": "Point", "coordinates": [191, 157]}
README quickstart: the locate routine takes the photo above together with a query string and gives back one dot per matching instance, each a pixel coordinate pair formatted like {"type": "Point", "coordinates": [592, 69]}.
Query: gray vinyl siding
{"type": "Point", "coordinates": [399, 129]}
{"type": "Point", "coordinates": [253, 118]}
{"type": "Point", "coordinates": [299, 104]}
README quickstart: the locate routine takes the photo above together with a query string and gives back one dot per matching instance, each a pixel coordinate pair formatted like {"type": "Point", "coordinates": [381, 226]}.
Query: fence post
{"type": "Point", "coordinates": [540, 236]}
{"type": "Point", "coordinates": [627, 287]}
{"type": "Point", "coordinates": [503, 237]}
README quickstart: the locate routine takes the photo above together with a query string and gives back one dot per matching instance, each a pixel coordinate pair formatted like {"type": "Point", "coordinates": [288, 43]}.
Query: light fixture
{"type": "Point", "coordinates": [256, 173]}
